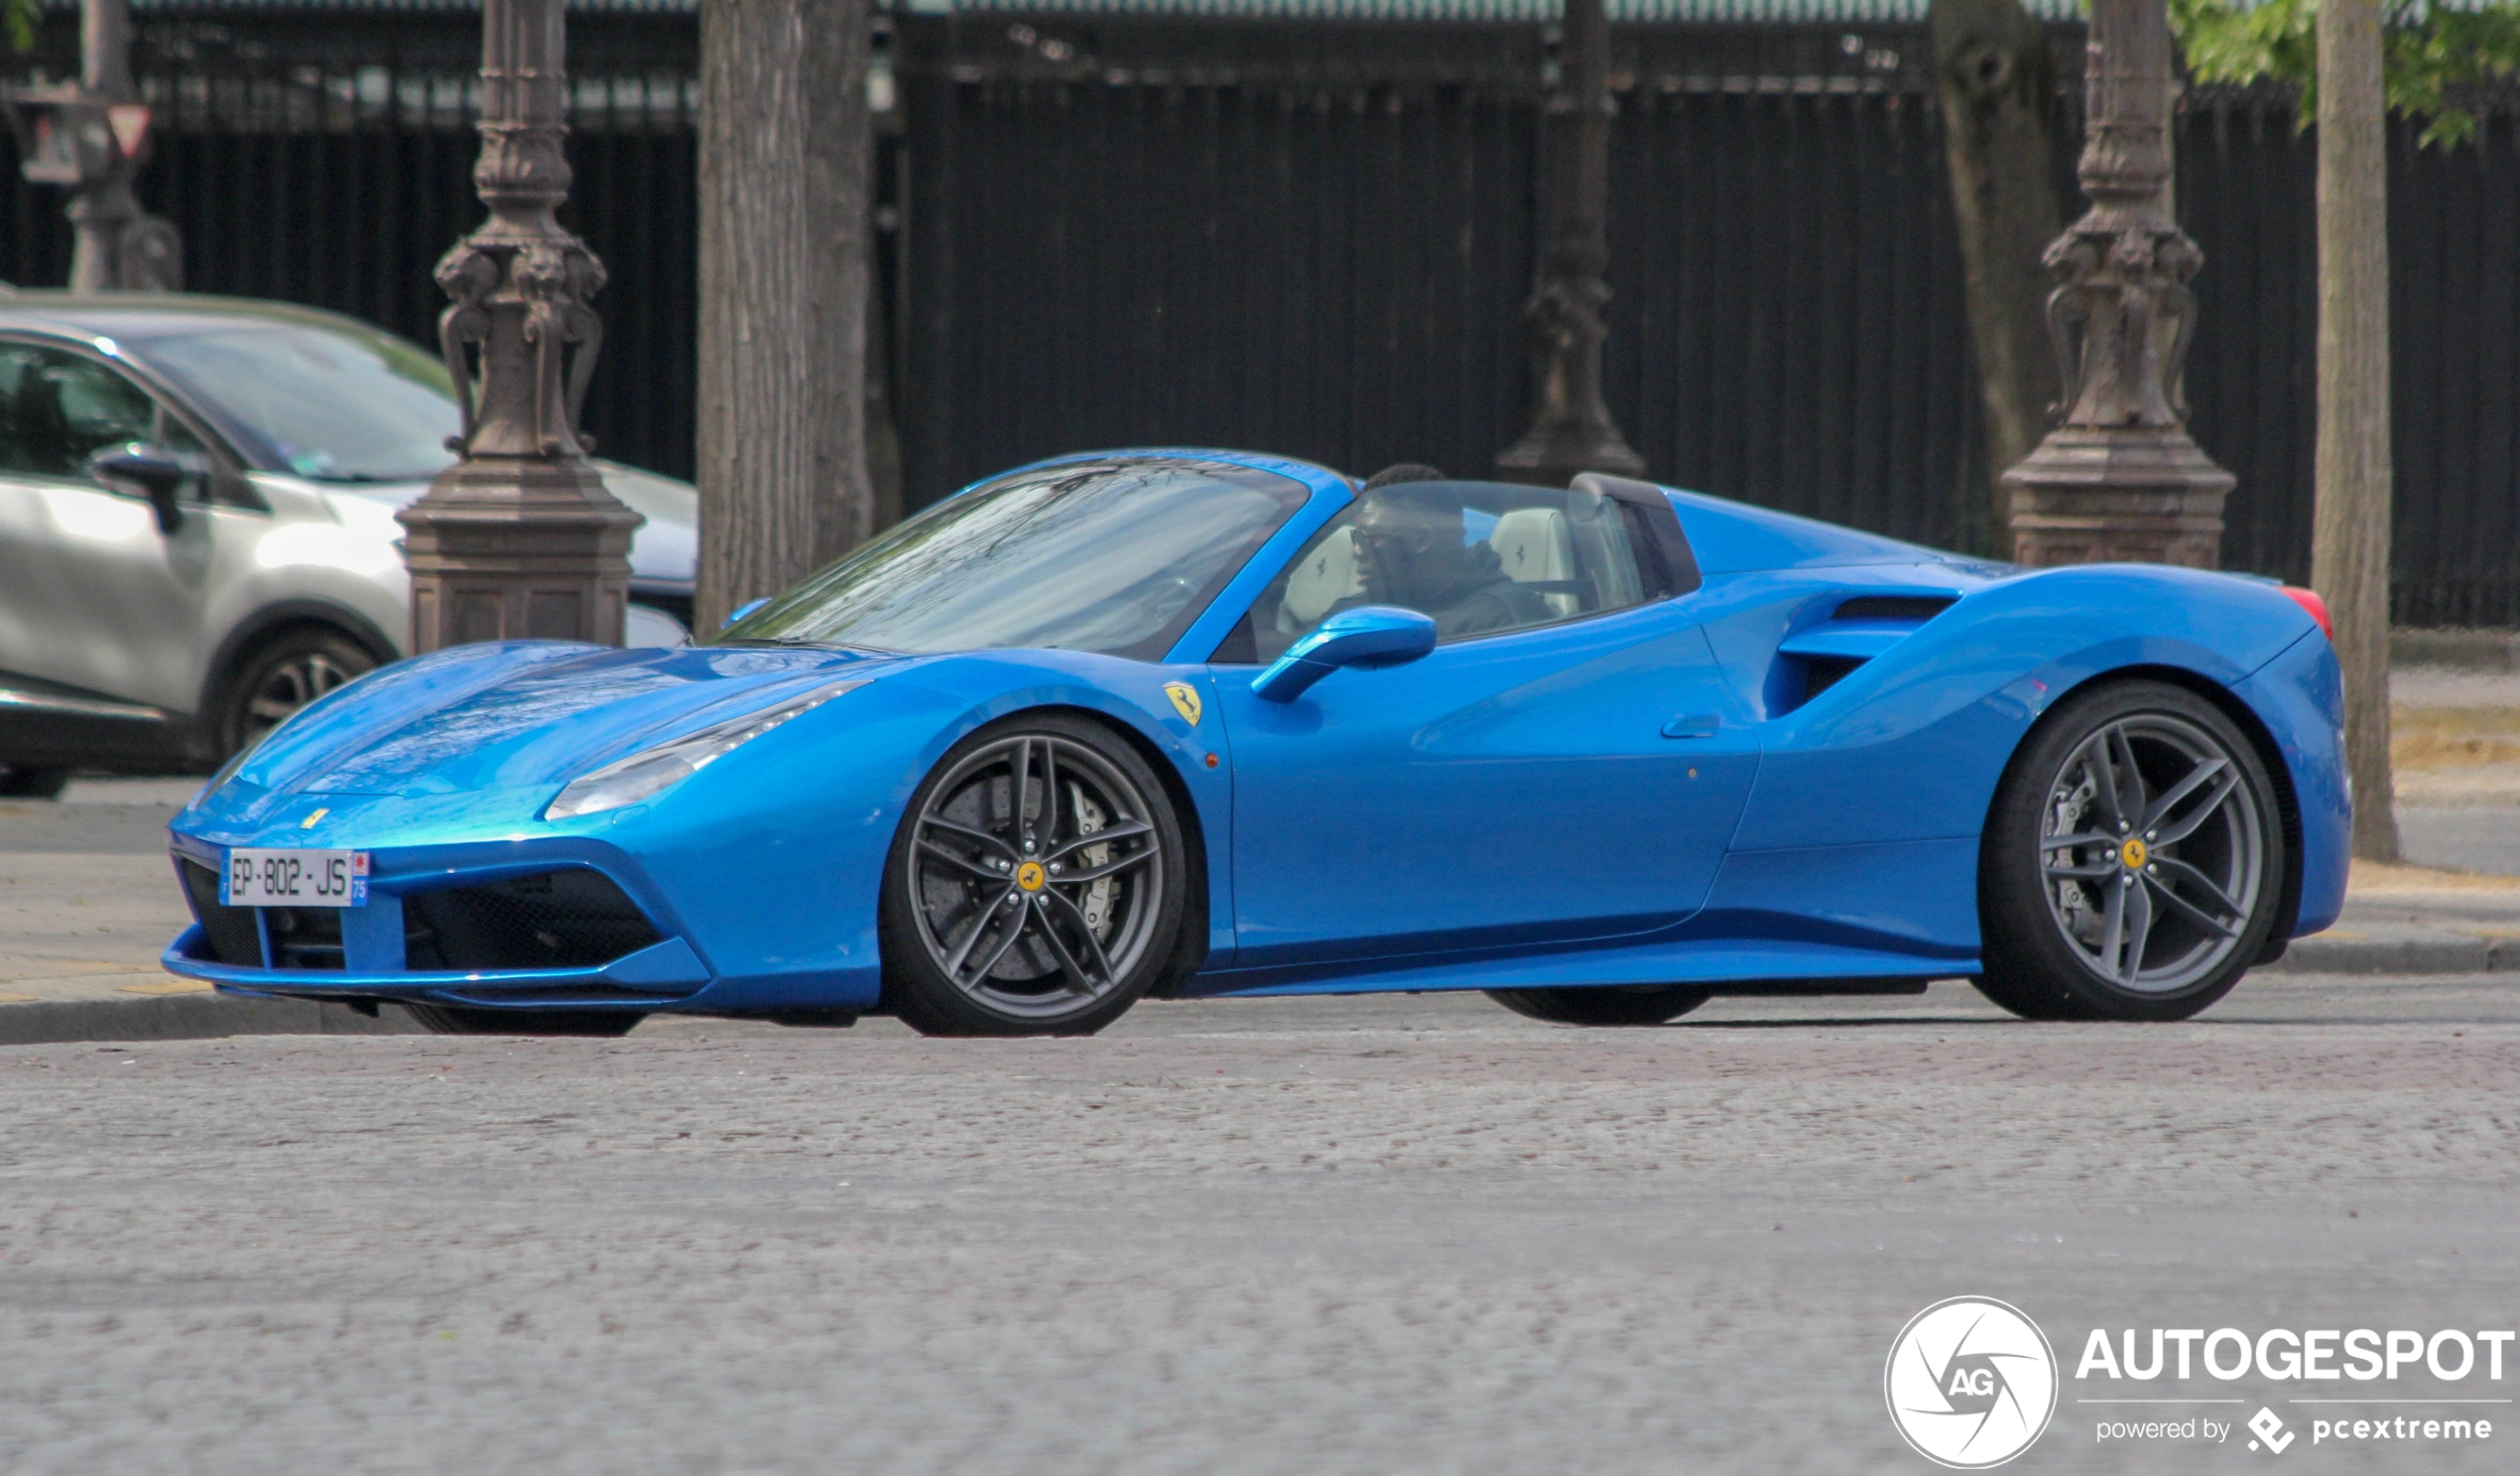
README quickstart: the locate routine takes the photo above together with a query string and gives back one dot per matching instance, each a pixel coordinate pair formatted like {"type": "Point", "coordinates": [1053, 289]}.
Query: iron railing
{"type": "Point", "coordinates": [1313, 236]}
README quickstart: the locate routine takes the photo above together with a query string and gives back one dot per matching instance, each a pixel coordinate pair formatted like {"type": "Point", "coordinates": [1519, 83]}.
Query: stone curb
{"type": "Point", "coordinates": [192, 1017]}
{"type": "Point", "coordinates": [2440, 955]}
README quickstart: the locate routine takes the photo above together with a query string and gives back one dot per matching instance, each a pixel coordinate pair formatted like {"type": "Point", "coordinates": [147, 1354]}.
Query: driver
{"type": "Point", "coordinates": [1411, 552]}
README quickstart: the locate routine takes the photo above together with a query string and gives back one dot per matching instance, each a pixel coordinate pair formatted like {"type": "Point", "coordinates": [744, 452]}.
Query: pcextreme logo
{"type": "Point", "coordinates": [1971, 1383]}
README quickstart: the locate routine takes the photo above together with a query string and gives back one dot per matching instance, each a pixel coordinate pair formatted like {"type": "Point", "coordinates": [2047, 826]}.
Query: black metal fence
{"type": "Point", "coordinates": [325, 158]}
{"type": "Point", "coordinates": [1314, 238]}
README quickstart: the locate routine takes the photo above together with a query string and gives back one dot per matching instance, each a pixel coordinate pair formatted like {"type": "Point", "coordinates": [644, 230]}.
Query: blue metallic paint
{"type": "Point", "coordinates": [1645, 797]}
{"type": "Point", "coordinates": [1364, 639]}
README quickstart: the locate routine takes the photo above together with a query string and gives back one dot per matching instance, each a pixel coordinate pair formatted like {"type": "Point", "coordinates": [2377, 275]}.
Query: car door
{"type": "Point", "coordinates": [95, 595]}
{"type": "Point", "coordinates": [1572, 772]}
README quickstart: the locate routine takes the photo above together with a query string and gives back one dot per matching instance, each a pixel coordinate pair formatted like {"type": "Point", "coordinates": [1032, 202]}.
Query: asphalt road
{"type": "Point", "coordinates": [1372, 1236]}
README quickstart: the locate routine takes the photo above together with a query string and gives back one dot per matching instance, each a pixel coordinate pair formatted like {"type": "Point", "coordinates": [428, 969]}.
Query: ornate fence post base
{"type": "Point", "coordinates": [2122, 495]}
{"type": "Point", "coordinates": [520, 539]}
{"type": "Point", "coordinates": [519, 549]}
{"type": "Point", "coordinates": [2121, 479]}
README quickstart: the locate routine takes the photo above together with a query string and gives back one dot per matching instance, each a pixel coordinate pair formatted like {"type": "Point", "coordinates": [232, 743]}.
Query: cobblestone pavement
{"type": "Point", "coordinates": [1370, 1236]}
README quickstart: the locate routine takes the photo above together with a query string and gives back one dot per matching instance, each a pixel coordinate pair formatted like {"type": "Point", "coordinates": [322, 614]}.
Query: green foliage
{"type": "Point", "coordinates": [2425, 51]}
{"type": "Point", "coordinates": [17, 21]}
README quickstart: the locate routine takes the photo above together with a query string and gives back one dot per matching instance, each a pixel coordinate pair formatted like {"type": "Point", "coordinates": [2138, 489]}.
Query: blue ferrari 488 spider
{"type": "Point", "coordinates": [1189, 723]}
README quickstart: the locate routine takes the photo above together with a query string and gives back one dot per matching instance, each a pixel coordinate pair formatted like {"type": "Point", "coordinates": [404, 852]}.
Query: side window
{"type": "Point", "coordinates": [58, 409]}
{"type": "Point", "coordinates": [61, 409]}
{"type": "Point", "coordinates": [1479, 558]}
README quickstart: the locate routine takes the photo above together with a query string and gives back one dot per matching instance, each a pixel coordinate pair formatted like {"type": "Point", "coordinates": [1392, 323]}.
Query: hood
{"type": "Point", "coordinates": [664, 549]}
{"type": "Point", "coordinates": [523, 713]}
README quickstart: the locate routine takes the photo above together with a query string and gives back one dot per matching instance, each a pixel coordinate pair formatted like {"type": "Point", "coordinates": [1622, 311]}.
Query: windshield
{"type": "Point", "coordinates": [1116, 556]}
{"type": "Point", "coordinates": [329, 405]}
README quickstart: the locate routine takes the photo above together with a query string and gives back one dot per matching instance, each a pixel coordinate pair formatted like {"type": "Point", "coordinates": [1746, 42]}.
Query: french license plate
{"type": "Point", "coordinates": [287, 878]}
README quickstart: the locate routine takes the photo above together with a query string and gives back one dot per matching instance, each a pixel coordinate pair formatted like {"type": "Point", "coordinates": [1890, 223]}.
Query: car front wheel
{"type": "Point", "coordinates": [2134, 860]}
{"type": "Point", "coordinates": [1038, 885]}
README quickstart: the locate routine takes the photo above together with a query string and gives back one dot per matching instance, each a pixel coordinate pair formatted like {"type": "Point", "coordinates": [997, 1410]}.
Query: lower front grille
{"type": "Point", "coordinates": [305, 937]}
{"type": "Point", "coordinates": [573, 918]}
{"type": "Point", "coordinates": [234, 939]}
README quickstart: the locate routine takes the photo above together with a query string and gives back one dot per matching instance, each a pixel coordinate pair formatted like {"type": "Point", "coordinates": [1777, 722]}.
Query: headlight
{"type": "Point", "coordinates": [652, 771]}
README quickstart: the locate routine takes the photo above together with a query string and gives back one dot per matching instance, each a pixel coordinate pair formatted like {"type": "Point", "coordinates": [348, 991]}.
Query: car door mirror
{"type": "Point", "coordinates": [150, 474]}
{"type": "Point", "coordinates": [1366, 636]}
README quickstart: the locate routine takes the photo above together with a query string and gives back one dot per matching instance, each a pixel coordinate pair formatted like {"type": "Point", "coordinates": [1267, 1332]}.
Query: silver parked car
{"type": "Point", "coordinates": [197, 522]}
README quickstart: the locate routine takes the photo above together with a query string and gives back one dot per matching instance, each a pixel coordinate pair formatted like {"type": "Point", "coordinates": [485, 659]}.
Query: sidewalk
{"type": "Point", "coordinates": [87, 901]}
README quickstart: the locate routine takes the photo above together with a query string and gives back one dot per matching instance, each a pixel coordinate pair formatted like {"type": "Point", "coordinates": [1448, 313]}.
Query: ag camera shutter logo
{"type": "Point", "coordinates": [1971, 1383]}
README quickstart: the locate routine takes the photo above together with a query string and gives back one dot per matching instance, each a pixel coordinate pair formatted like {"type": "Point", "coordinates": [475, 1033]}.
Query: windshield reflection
{"type": "Point", "coordinates": [329, 405]}
{"type": "Point", "coordinates": [1115, 556]}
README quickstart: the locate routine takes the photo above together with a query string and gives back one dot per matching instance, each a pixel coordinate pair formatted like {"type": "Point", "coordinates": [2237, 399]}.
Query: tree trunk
{"type": "Point", "coordinates": [784, 166]}
{"type": "Point", "coordinates": [2350, 550]}
{"type": "Point", "coordinates": [883, 431]}
{"type": "Point", "coordinates": [1997, 83]}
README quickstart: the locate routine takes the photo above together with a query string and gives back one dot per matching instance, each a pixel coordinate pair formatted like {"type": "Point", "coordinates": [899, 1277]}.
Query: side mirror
{"type": "Point", "coordinates": [154, 475]}
{"type": "Point", "coordinates": [1366, 636]}
{"type": "Point", "coordinates": [744, 609]}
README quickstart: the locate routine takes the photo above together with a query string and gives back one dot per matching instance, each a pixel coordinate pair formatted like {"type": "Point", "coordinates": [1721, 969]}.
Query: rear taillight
{"type": "Point", "coordinates": [2308, 600]}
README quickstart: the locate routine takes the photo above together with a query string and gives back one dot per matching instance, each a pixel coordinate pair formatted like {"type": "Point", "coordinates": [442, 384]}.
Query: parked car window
{"type": "Point", "coordinates": [1114, 556]}
{"type": "Point", "coordinates": [57, 409]}
{"type": "Point", "coordinates": [1479, 558]}
{"type": "Point", "coordinates": [329, 405]}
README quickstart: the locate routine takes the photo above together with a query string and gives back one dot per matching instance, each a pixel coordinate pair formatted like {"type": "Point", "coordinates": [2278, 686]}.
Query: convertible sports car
{"type": "Point", "coordinates": [1188, 723]}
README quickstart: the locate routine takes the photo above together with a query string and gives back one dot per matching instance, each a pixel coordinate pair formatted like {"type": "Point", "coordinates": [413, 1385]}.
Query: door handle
{"type": "Point", "coordinates": [1703, 726]}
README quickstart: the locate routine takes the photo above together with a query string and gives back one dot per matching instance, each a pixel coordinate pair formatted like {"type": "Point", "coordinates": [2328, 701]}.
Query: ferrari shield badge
{"type": "Point", "coordinates": [1184, 700]}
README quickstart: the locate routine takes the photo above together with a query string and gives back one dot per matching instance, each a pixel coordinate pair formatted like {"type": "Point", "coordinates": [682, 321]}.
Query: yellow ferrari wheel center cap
{"type": "Point", "coordinates": [2133, 854]}
{"type": "Point", "coordinates": [1029, 876]}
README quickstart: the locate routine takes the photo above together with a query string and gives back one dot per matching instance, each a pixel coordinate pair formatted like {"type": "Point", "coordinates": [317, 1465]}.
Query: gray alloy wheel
{"type": "Point", "coordinates": [1036, 887]}
{"type": "Point", "coordinates": [284, 674]}
{"type": "Point", "coordinates": [2133, 861]}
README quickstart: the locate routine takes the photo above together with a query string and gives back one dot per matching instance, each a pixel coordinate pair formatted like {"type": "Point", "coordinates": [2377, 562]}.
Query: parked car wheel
{"type": "Point", "coordinates": [32, 782]}
{"type": "Point", "coordinates": [1038, 885]}
{"type": "Point", "coordinates": [281, 676]}
{"type": "Point", "coordinates": [450, 1020]}
{"type": "Point", "coordinates": [1637, 1004]}
{"type": "Point", "coordinates": [2134, 860]}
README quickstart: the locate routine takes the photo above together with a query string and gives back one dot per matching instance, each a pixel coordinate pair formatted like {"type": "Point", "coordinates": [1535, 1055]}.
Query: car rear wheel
{"type": "Point", "coordinates": [451, 1020]}
{"type": "Point", "coordinates": [2132, 863]}
{"type": "Point", "coordinates": [1631, 1004]}
{"type": "Point", "coordinates": [33, 782]}
{"type": "Point", "coordinates": [283, 675]}
{"type": "Point", "coordinates": [1038, 885]}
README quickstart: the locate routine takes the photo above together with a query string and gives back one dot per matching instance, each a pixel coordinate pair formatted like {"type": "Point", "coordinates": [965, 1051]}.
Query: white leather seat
{"type": "Point", "coordinates": [1326, 575]}
{"type": "Point", "coordinates": [1535, 544]}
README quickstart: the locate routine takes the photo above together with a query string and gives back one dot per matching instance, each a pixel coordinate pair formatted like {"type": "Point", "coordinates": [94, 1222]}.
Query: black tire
{"type": "Point", "coordinates": [1615, 1004]}
{"type": "Point", "coordinates": [452, 1020]}
{"type": "Point", "coordinates": [2106, 897]}
{"type": "Point", "coordinates": [282, 675]}
{"type": "Point", "coordinates": [980, 937]}
{"type": "Point", "coordinates": [32, 782]}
